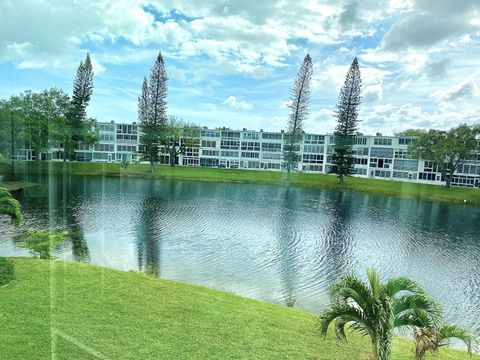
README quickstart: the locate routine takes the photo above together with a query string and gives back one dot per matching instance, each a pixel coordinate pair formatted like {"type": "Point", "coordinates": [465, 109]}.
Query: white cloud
{"type": "Point", "coordinates": [238, 104]}
{"type": "Point", "coordinates": [461, 91]}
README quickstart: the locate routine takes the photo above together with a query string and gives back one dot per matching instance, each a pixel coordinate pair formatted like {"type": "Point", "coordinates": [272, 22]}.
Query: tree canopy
{"type": "Point", "coordinates": [347, 123]}
{"type": "Point", "coordinates": [446, 148]}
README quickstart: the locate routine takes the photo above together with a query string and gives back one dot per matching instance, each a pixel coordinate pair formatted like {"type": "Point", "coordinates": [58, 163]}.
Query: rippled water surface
{"type": "Point", "coordinates": [270, 243]}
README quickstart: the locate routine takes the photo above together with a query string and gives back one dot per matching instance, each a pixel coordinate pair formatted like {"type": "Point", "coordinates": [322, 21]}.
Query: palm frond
{"type": "Point", "coordinates": [399, 284]}
{"type": "Point", "coordinates": [417, 310]}
{"type": "Point", "coordinates": [374, 281]}
{"type": "Point", "coordinates": [343, 314]}
{"type": "Point", "coordinates": [447, 332]}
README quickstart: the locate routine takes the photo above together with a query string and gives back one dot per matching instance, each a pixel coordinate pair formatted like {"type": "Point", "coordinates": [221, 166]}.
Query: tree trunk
{"type": "Point", "coordinates": [64, 159]}
{"type": "Point", "coordinates": [152, 167]}
{"type": "Point", "coordinates": [172, 157]}
{"type": "Point", "coordinates": [340, 179]}
{"type": "Point", "coordinates": [374, 350]}
{"type": "Point", "coordinates": [450, 175]}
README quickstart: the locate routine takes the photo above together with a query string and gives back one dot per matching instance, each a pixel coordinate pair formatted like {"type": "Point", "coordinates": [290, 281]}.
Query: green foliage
{"type": "Point", "coordinates": [77, 128]}
{"type": "Point", "coordinates": [430, 338]}
{"type": "Point", "coordinates": [375, 309]}
{"type": "Point", "coordinates": [41, 242]}
{"type": "Point", "coordinates": [178, 137]}
{"type": "Point", "coordinates": [447, 149]}
{"type": "Point", "coordinates": [152, 112]}
{"type": "Point", "coordinates": [299, 104]}
{"type": "Point", "coordinates": [32, 120]}
{"type": "Point", "coordinates": [10, 206]}
{"type": "Point", "coordinates": [7, 271]}
{"type": "Point", "coordinates": [347, 123]}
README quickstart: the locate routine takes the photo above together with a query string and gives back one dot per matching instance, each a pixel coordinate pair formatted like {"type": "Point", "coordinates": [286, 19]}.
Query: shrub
{"type": "Point", "coordinates": [41, 242]}
{"type": "Point", "coordinates": [7, 273]}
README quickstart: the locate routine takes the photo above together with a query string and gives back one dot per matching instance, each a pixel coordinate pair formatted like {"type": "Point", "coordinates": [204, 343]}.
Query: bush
{"type": "Point", "coordinates": [41, 243]}
{"type": "Point", "coordinates": [6, 271]}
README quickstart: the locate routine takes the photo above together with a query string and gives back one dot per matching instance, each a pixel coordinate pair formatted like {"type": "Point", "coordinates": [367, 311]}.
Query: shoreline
{"type": "Point", "coordinates": [437, 193]}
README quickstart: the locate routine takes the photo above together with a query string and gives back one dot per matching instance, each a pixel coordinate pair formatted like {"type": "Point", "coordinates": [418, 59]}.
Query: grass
{"type": "Point", "coordinates": [321, 181]}
{"type": "Point", "coordinates": [79, 311]}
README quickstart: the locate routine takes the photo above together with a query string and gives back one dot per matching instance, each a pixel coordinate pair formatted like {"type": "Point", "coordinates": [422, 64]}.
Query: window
{"type": "Point", "coordinates": [361, 141]}
{"type": "Point", "coordinates": [230, 144]}
{"type": "Point", "coordinates": [401, 154]}
{"type": "Point", "coordinates": [230, 135]}
{"type": "Point", "coordinates": [271, 147]}
{"type": "Point", "coordinates": [427, 176]}
{"type": "Point", "coordinates": [251, 136]}
{"type": "Point", "coordinates": [360, 151]}
{"type": "Point", "coordinates": [381, 152]}
{"type": "Point", "coordinates": [229, 153]}
{"type": "Point", "coordinates": [405, 141]}
{"type": "Point", "coordinates": [210, 133]}
{"type": "Point", "coordinates": [312, 158]}
{"type": "Point", "coordinates": [316, 149]}
{"type": "Point", "coordinates": [271, 156]}
{"type": "Point", "coordinates": [361, 171]}
{"type": "Point", "coordinates": [128, 148]}
{"type": "Point", "coordinates": [105, 147]}
{"type": "Point", "coordinates": [270, 166]}
{"type": "Point", "coordinates": [272, 136]}
{"type": "Point", "coordinates": [429, 166]}
{"type": "Point", "coordinates": [252, 146]}
{"type": "Point", "coordinates": [409, 165]}
{"type": "Point", "coordinates": [206, 152]}
{"type": "Point", "coordinates": [209, 143]}
{"type": "Point", "coordinates": [248, 154]}
{"type": "Point", "coordinates": [361, 161]}
{"type": "Point", "coordinates": [313, 139]}
{"type": "Point", "coordinates": [382, 141]}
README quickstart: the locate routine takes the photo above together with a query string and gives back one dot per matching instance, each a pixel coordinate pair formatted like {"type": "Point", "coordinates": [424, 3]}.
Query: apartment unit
{"type": "Point", "coordinates": [117, 143]}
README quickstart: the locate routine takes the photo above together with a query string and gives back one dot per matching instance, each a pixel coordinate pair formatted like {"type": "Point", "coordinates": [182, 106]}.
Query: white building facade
{"type": "Point", "coordinates": [380, 157]}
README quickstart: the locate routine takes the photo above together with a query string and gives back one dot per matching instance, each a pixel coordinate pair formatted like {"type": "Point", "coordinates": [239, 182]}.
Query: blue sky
{"type": "Point", "coordinates": [232, 63]}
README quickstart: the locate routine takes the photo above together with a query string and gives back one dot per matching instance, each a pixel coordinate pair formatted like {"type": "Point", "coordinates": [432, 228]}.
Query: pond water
{"type": "Point", "coordinates": [269, 243]}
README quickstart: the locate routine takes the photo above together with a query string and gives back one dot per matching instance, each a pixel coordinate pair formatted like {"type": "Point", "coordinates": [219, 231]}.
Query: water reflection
{"type": "Point", "coordinates": [288, 238]}
{"type": "Point", "coordinates": [149, 237]}
{"type": "Point", "coordinates": [338, 236]}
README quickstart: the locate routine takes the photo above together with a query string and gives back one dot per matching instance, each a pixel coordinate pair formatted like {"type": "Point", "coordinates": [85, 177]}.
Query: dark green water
{"type": "Point", "coordinates": [264, 242]}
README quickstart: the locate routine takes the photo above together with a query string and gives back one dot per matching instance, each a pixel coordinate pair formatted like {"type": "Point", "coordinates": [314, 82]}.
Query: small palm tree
{"type": "Point", "coordinates": [10, 206]}
{"type": "Point", "coordinates": [374, 309]}
{"type": "Point", "coordinates": [431, 339]}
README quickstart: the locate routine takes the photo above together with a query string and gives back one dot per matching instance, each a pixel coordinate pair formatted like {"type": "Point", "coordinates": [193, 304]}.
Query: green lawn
{"type": "Point", "coordinates": [78, 311]}
{"type": "Point", "coordinates": [371, 186]}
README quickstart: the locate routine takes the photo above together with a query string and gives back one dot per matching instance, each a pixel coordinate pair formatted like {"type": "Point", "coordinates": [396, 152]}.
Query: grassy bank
{"type": "Point", "coordinates": [321, 181]}
{"type": "Point", "coordinates": [77, 311]}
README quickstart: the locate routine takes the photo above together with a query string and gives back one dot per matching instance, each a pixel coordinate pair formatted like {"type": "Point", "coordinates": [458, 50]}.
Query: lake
{"type": "Point", "coordinates": [265, 242]}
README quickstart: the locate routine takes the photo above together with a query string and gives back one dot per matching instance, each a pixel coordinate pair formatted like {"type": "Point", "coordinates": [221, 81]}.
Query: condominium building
{"type": "Point", "coordinates": [382, 157]}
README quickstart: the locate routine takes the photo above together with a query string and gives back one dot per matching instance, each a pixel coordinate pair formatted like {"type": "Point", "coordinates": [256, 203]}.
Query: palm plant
{"type": "Point", "coordinates": [375, 309]}
{"type": "Point", "coordinates": [10, 206]}
{"type": "Point", "coordinates": [429, 338]}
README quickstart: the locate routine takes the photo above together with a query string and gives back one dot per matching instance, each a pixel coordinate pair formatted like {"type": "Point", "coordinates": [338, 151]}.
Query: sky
{"type": "Point", "coordinates": [232, 63]}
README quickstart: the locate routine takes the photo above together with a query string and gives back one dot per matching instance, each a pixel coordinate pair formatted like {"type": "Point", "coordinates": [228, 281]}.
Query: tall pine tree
{"type": "Point", "coordinates": [299, 104]}
{"type": "Point", "coordinates": [347, 123]}
{"type": "Point", "coordinates": [152, 112]}
{"type": "Point", "coordinates": [77, 127]}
